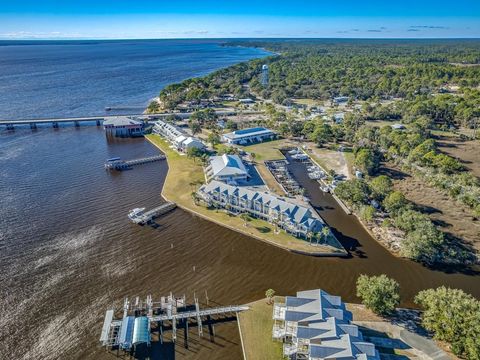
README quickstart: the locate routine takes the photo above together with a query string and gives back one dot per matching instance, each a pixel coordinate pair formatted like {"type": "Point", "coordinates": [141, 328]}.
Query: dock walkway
{"type": "Point", "coordinates": [146, 217]}
{"type": "Point", "coordinates": [127, 164]}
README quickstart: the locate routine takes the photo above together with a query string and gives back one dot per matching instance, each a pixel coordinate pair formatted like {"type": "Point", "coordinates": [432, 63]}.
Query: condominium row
{"type": "Point", "coordinates": [176, 136]}
{"type": "Point", "coordinates": [297, 220]}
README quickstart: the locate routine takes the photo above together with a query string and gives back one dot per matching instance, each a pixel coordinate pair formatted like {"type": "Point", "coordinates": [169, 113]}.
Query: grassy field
{"type": "Point", "coordinates": [184, 172]}
{"type": "Point", "coordinates": [256, 326]}
{"type": "Point", "coordinates": [309, 102]}
{"type": "Point", "coordinates": [269, 150]}
{"type": "Point", "coordinates": [330, 159]}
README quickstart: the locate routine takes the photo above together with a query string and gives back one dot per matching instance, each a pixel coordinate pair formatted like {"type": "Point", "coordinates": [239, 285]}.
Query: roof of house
{"type": "Point", "coordinates": [324, 321]}
{"type": "Point", "coordinates": [296, 213]}
{"type": "Point", "coordinates": [180, 139]}
{"type": "Point", "coordinates": [328, 329]}
{"type": "Point", "coordinates": [122, 121]}
{"type": "Point", "coordinates": [168, 128]}
{"type": "Point", "coordinates": [315, 305]}
{"type": "Point", "coordinates": [344, 347]}
{"type": "Point", "coordinates": [257, 131]}
{"type": "Point", "coordinates": [192, 140]}
{"type": "Point", "coordinates": [226, 165]}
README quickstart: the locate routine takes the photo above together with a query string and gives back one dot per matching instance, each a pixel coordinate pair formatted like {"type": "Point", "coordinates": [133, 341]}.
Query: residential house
{"type": "Point", "coordinates": [315, 325]}
{"type": "Point", "coordinates": [227, 168]}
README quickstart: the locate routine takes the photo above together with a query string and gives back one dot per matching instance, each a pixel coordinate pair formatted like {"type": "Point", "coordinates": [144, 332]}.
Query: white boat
{"type": "Point", "coordinates": [135, 215]}
{"type": "Point", "coordinates": [300, 157]}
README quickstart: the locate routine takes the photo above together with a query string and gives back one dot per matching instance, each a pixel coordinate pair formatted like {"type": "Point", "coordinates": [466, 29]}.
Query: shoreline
{"type": "Point", "coordinates": [237, 229]}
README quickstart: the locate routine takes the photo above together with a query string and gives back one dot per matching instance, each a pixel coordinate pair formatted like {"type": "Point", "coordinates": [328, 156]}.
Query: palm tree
{"type": "Point", "coordinates": [245, 217]}
{"type": "Point", "coordinates": [326, 233]}
{"type": "Point", "coordinates": [270, 293]}
{"type": "Point", "coordinates": [309, 236]}
{"type": "Point", "coordinates": [195, 197]}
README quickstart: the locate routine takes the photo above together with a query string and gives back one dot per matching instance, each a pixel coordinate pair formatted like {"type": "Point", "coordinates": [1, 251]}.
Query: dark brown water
{"type": "Point", "coordinates": [68, 252]}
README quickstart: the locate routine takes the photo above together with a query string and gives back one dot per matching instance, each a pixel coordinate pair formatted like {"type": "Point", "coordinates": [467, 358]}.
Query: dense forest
{"type": "Point", "coordinates": [369, 70]}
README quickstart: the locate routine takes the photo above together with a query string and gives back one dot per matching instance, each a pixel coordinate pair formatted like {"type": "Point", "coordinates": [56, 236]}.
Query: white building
{"type": "Point", "coordinates": [249, 136]}
{"type": "Point", "coordinates": [192, 142]}
{"type": "Point", "coordinates": [340, 99]}
{"type": "Point", "coordinates": [315, 325]}
{"type": "Point", "coordinates": [297, 220]}
{"type": "Point", "coordinates": [227, 168]}
{"type": "Point", "coordinates": [177, 136]}
{"type": "Point", "coordinates": [123, 126]}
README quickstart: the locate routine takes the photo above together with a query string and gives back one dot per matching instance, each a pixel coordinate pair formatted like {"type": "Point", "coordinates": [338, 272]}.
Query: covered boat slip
{"type": "Point", "coordinates": [141, 331]}
{"type": "Point", "coordinates": [128, 332]}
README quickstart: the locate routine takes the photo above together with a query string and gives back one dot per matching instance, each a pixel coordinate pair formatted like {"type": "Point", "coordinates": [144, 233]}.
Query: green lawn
{"type": "Point", "coordinates": [184, 173]}
{"type": "Point", "coordinates": [269, 150]}
{"type": "Point", "coordinates": [309, 102]}
{"type": "Point", "coordinates": [256, 326]}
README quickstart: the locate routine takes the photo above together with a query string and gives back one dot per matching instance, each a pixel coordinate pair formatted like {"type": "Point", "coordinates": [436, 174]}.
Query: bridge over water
{"type": "Point", "coordinates": [10, 124]}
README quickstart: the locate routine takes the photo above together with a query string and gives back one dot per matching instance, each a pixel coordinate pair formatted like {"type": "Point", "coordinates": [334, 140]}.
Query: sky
{"type": "Point", "coordinates": [144, 19]}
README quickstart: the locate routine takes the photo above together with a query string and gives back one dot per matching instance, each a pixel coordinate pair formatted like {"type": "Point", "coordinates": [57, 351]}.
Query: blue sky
{"type": "Point", "coordinates": [121, 19]}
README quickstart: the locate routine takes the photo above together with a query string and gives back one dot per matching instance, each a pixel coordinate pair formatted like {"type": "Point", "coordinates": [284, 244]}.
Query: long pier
{"type": "Point", "coordinates": [119, 164]}
{"type": "Point", "coordinates": [10, 124]}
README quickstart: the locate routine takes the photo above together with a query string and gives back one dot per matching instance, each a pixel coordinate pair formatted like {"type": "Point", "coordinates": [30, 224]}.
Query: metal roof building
{"type": "Point", "coordinates": [123, 126]}
{"type": "Point", "coordinates": [251, 135]}
{"type": "Point", "coordinates": [227, 168]}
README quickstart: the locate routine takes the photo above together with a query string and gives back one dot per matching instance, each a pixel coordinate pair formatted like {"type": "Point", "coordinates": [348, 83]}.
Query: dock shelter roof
{"type": "Point", "coordinates": [126, 332]}
{"type": "Point", "coordinates": [141, 331]}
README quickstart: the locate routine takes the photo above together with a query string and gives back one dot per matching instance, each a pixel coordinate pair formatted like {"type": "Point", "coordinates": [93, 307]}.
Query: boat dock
{"type": "Point", "coordinates": [119, 164]}
{"type": "Point", "coordinates": [139, 318]}
{"type": "Point", "coordinates": [142, 217]}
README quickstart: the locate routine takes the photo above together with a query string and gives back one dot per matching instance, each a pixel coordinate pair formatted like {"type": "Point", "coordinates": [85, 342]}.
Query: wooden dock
{"type": "Point", "coordinates": [145, 217]}
{"type": "Point", "coordinates": [128, 164]}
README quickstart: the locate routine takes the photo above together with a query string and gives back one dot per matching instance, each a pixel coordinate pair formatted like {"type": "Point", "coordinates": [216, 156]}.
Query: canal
{"type": "Point", "coordinates": [68, 252]}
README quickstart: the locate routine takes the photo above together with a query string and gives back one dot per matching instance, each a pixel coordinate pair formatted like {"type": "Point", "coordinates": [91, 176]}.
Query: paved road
{"type": "Point", "coordinates": [427, 346]}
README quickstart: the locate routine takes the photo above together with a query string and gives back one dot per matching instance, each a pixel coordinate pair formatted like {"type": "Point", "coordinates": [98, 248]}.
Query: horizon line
{"type": "Point", "coordinates": [243, 38]}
